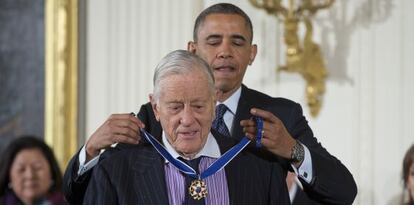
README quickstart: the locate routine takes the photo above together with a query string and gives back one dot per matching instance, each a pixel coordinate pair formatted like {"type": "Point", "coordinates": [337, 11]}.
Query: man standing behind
{"type": "Point", "coordinates": [183, 102]}
{"type": "Point", "coordinates": [223, 37]}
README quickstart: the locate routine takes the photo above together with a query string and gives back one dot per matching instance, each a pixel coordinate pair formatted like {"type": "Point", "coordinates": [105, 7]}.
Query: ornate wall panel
{"type": "Point", "coordinates": [61, 78]}
{"type": "Point", "coordinates": [21, 69]}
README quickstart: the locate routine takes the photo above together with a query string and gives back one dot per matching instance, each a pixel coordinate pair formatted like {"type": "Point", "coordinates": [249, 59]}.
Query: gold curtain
{"type": "Point", "coordinates": [61, 68]}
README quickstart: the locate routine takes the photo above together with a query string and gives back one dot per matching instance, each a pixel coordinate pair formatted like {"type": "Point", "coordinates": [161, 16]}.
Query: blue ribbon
{"type": "Point", "coordinates": [216, 166]}
{"type": "Point", "coordinates": [259, 126]}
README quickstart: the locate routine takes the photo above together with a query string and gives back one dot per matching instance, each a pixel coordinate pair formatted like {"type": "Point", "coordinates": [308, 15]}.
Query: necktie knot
{"type": "Point", "coordinates": [218, 123]}
{"type": "Point", "coordinates": [220, 110]}
{"type": "Point", "coordinates": [193, 163]}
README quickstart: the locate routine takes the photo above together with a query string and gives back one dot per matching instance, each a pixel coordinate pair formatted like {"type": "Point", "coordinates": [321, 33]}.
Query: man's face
{"type": "Point", "coordinates": [185, 109]}
{"type": "Point", "coordinates": [224, 42]}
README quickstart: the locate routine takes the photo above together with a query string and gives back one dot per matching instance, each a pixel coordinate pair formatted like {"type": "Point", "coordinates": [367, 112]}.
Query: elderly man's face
{"type": "Point", "coordinates": [185, 109]}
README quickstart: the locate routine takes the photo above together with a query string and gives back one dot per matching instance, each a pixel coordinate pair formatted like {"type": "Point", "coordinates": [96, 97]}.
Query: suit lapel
{"type": "Point", "coordinates": [154, 127]}
{"type": "Point", "coordinates": [242, 113]}
{"type": "Point", "coordinates": [236, 193]}
{"type": "Point", "coordinates": [150, 182]}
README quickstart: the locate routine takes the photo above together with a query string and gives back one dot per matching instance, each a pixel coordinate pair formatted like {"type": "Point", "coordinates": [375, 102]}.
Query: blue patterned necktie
{"type": "Point", "coordinates": [218, 123]}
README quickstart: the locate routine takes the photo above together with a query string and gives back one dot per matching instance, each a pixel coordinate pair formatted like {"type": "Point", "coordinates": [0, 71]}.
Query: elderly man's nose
{"type": "Point", "coordinates": [187, 117]}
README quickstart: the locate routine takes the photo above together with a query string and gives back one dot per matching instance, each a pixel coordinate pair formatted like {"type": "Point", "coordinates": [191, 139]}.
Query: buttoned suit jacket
{"type": "Point", "coordinates": [332, 182]}
{"type": "Point", "coordinates": [135, 175]}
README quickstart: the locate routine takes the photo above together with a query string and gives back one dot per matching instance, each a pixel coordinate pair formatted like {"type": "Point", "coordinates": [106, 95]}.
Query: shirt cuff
{"type": "Point", "coordinates": [85, 167]}
{"type": "Point", "coordinates": [305, 170]}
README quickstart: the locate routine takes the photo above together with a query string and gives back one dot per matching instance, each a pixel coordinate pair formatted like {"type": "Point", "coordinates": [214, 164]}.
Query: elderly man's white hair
{"type": "Point", "coordinates": [180, 62]}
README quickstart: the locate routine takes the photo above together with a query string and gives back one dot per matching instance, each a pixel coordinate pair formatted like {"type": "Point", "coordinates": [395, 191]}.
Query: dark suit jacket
{"type": "Point", "coordinates": [302, 199]}
{"type": "Point", "coordinates": [332, 182]}
{"type": "Point", "coordinates": [135, 175]}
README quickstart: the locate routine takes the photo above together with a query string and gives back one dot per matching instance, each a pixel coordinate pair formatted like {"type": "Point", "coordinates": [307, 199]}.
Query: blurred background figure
{"type": "Point", "coordinates": [29, 174]}
{"type": "Point", "coordinates": [408, 177]}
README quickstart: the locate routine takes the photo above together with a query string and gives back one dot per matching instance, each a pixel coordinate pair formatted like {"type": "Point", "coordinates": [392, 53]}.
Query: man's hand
{"type": "Point", "coordinates": [118, 128]}
{"type": "Point", "coordinates": [275, 137]}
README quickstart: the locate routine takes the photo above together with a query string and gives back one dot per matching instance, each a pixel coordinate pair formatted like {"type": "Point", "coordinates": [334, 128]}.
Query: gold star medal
{"type": "Point", "coordinates": [198, 189]}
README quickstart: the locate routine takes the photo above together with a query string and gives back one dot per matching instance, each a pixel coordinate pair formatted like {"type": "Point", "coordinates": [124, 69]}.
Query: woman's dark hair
{"type": "Point", "coordinates": [407, 162]}
{"type": "Point", "coordinates": [24, 143]}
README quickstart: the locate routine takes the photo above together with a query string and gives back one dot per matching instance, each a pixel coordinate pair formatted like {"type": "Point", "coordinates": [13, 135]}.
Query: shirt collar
{"type": "Point", "coordinates": [210, 149]}
{"type": "Point", "coordinates": [232, 101]}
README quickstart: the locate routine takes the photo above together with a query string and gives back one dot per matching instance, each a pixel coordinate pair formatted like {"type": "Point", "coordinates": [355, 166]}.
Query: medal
{"type": "Point", "coordinates": [198, 189]}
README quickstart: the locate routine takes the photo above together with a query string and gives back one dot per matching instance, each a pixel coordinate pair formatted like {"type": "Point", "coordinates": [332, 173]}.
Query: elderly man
{"type": "Point", "coordinates": [183, 102]}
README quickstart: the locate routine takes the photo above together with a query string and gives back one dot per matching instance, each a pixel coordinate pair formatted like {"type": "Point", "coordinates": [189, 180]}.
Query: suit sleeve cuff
{"type": "Point", "coordinates": [305, 170]}
{"type": "Point", "coordinates": [85, 167]}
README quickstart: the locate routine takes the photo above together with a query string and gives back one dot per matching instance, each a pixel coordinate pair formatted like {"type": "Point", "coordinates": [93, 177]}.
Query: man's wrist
{"type": "Point", "coordinates": [84, 165]}
{"type": "Point", "coordinates": [90, 152]}
{"type": "Point", "coordinates": [297, 154]}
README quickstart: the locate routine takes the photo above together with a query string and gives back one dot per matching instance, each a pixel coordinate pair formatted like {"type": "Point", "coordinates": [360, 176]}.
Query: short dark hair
{"type": "Point", "coordinates": [407, 162]}
{"type": "Point", "coordinates": [23, 143]}
{"type": "Point", "coordinates": [221, 8]}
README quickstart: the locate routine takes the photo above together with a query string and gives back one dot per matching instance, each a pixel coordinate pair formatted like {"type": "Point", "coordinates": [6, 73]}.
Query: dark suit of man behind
{"type": "Point", "coordinates": [135, 175]}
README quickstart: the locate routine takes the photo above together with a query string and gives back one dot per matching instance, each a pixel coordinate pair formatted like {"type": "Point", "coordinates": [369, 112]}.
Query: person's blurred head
{"type": "Point", "coordinates": [29, 168]}
{"type": "Point", "coordinates": [184, 100]}
{"type": "Point", "coordinates": [223, 36]}
{"type": "Point", "coordinates": [408, 172]}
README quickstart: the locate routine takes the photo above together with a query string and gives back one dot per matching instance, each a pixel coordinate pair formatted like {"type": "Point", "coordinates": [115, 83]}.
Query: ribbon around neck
{"type": "Point", "coordinates": [216, 166]}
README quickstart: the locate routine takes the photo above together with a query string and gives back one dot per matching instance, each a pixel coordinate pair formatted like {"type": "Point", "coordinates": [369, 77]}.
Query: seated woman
{"type": "Point", "coordinates": [29, 174]}
{"type": "Point", "coordinates": [408, 176]}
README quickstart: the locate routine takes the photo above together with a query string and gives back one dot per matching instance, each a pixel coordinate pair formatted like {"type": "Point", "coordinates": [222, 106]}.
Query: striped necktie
{"type": "Point", "coordinates": [218, 123]}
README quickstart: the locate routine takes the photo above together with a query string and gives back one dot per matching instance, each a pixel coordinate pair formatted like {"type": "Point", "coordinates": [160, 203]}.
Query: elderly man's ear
{"type": "Point", "coordinates": [191, 47]}
{"type": "Point", "coordinates": [154, 106]}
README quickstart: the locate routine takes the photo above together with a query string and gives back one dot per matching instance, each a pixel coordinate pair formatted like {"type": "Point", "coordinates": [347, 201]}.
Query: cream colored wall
{"type": "Point", "coordinates": [365, 120]}
{"type": "Point", "coordinates": [125, 41]}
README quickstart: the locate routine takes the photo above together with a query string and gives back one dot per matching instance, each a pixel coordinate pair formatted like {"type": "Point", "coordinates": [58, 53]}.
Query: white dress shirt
{"type": "Point", "coordinates": [210, 149]}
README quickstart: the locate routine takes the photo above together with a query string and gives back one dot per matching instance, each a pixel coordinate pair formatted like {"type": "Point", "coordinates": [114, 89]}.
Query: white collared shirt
{"type": "Point", "coordinates": [231, 104]}
{"type": "Point", "coordinates": [210, 149]}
